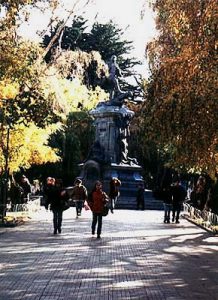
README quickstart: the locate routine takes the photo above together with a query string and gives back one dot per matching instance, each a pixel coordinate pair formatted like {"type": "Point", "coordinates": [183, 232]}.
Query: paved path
{"type": "Point", "coordinates": [138, 257]}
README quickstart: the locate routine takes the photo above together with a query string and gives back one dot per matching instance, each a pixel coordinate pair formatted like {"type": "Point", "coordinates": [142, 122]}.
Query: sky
{"type": "Point", "coordinates": [125, 13]}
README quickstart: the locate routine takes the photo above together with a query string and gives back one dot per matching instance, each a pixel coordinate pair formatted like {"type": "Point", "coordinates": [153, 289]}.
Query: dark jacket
{"type": "Point", "coordinates": [79, 193]}
{"type": "Point", "coordinates": [114, 188]}
{"type": "Point", "coordinates": [54, 198]}
{"type": "Point", "coordinates": [178, 194]}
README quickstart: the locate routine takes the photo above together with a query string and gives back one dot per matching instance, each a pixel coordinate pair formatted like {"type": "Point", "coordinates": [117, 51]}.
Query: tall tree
{"type": "Point", "coordinates": [181, 110]}
{"type": "Point", "coordinates": [103, 38]}
{"type": "Point", "coordinates": [71, 38]}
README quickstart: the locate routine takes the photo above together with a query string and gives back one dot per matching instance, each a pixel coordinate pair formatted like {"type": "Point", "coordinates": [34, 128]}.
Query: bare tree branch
{"type": "Point", "coordinates": [61, 27]}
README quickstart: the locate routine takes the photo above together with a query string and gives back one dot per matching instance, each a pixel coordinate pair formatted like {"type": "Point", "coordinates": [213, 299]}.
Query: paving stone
{"type": "Point", "coordinates": [138, 257]}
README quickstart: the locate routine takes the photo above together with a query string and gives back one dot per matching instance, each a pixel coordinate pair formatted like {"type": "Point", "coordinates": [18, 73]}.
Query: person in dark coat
{"type": "Point", "coordinates": [114, 193]}
{"type": "Point", "coordinates": [79, 195]}
{"type": "Point", "coordinates": [167, 202]}
{"type": "Point", "coordinates": [55, 197]}
{"type": "Point", "coordinates": [178, 197]}
{"type": "Point", "coordinates": [97, 200]}
{"type": "Point", "coordinates": [140, 197]}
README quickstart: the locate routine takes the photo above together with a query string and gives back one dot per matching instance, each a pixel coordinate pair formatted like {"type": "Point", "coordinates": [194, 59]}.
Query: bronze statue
{"type": "Point", "coordinates": [117, 96]}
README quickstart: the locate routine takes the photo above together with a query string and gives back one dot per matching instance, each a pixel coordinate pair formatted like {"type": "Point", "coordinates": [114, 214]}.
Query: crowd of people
{"type": "Point", "coordinates": [58, 199]}
{"type": "Point", "coordinates": [199, 194]}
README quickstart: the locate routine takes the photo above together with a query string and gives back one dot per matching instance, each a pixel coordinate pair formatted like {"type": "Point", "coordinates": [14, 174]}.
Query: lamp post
{"type": "Point", "coordinates": [5, 170]}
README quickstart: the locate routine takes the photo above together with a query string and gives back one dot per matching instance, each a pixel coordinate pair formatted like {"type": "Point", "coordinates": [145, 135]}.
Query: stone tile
{"type": "Point", "coordinates": [138, 257]}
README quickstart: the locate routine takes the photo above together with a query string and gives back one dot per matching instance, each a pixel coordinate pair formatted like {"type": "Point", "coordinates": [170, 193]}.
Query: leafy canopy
{"type": "Point", "coordinates": [181, 110]}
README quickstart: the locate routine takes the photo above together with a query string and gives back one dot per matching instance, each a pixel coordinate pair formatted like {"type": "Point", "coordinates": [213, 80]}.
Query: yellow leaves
{"type": "Point", "coordinates": [8, 90]}
{"type": "Point", "coordinates": [184, 65]}
{"type": "Point", "coordinates": [76, 93]}
{"type": "Point", "coordinates": [29, 145]}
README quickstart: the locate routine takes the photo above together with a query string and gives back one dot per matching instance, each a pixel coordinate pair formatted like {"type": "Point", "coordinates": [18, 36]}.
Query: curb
{"type": "Point", "coordinates": [199, 225]}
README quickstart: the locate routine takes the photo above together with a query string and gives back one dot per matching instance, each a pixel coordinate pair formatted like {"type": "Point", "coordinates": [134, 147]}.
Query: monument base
{"type": "Point", "coordinates": [129, 175]}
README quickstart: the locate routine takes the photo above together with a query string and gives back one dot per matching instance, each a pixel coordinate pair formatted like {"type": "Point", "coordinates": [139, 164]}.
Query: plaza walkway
{"type": "Point", "coordinates": [138, 257]}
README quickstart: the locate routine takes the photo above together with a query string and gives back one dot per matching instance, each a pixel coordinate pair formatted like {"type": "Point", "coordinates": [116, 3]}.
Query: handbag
{"type": "Point", "coordinates": [65, 202]}
{"type": "Point", "coordinates": [105, 211]}
{"type": "Point", "coordinates": [66, 205]}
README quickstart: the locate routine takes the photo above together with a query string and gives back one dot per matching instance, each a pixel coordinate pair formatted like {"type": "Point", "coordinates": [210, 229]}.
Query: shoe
{"type": "Point", "coordinates": [177, 222]}
{"type": "Point", "coordinates": [165, 221]}
{"type": "Point", "coordinates": [172, 219]}
{"type": "Point", "coordinates": [112, 211]}
{"type": "Point", "coordinates": [55, 231]}
{"type": "Point", "coordinates": [168, 221]}
{"type": "Point", "coordinates": [59, 230]}
{"type": "Point", "coordinates": [98, 236]}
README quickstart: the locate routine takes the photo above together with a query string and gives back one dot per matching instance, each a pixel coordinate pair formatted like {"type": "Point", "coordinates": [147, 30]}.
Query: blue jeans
{"type": "Point", "coordinates": [97, 219]}
{"type": "Point", "coordinates": [113, 203]}
{"type": "Point", "coordinates": [57, 219]}
{"type": "Point", "coordinates": [167, 210]}
{"type": "Point", "coordinates": [176, 211]}
{"type": "Point", "coordinates": [79, 206]}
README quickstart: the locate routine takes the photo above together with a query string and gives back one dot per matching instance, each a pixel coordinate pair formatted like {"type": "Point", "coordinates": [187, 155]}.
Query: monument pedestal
{"type": "Point", "coordinates": [108, 156]}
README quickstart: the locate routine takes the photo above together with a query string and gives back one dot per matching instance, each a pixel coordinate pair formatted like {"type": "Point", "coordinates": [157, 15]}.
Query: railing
{"type": "Point", "coordinates": [206, 218]}
{"type": "Point", "coordinates": [32, 205]}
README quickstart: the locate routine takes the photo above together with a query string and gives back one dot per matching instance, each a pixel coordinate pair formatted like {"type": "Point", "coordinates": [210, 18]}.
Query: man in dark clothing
{"type": "Point", "coordinates": [178, 197]}
{"type": "Point", "coordinates": [140, 197]}
{"type": "Point", "coordinates": [114, 193]}
{"type": "Point", "coordinates": [167, 201]}
{"type": "Point", "coordinates": [79, 195]}
{"type": "Point", "coordinates": [55, 196]}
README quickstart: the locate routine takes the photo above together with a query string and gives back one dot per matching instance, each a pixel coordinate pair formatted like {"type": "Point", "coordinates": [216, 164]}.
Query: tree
{"type": "Point", "coordinates": [89, 68]}
{"type": "Point", "coordinates": [33, 95]}
{"type": "Point", "coordinates": [76, 135]}
{"type": "Point", "coordinates": [103, 38]}
{"type": "Point", "coordinates": [180, 113]}
{"type": "Point", "coordinates": [71, 38]}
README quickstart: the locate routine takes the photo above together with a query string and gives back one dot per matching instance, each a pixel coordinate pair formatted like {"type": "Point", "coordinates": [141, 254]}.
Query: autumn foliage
{"type": "Point", "coordinates": [35, 97]}
{"type": "Point", "coordinates": [182, 106]}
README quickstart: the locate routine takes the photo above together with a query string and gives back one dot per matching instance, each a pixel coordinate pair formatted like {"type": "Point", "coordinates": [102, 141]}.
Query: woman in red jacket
{"type": "Point", "coordinates": [97, 201]}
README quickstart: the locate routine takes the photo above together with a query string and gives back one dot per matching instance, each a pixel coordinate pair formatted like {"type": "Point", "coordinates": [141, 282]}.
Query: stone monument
{"type": "Point", "coordinates": [108, 156]}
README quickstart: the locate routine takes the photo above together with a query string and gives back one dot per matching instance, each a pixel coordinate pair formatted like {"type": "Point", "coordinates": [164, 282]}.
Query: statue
{"type": "Point", "coordinates": [123, 123]}
{"type": "Point", "coordinates": [117, 96]}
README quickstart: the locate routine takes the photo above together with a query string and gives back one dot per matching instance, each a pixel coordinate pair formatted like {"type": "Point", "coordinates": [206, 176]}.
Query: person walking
{"type": "Point", "coordinates": [55, 197]}
{"type": "Point", "coordinates": [97, 200]}
{"type": "Point", "coordinates": [178, 197]}
{"type": "Point", "coordinates": [140, 197]}
{"type": "Point", "coordinates": [114, 193]}
{"type": "Point", "coordinates": [167, 202]}
{"type": "Point", "coordinates": [79, 195]}
{"type": "Point", "coordinates": [25, 187]}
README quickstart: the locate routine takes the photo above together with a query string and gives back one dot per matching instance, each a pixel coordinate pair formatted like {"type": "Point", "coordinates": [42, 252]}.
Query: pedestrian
{"type": "Point", "coordinates": [25, 189]}
{"type": "Point", "coordinates": [36, 188]}
{"type": "Point", "coordinates": [178, 197]}
{"type": "Point", "coordinates": [97, 200]}
{"type": "Point", "coordinates": [167, 202]}
{"type": "Point", "coordinates": [56, 198]}
{"type": "Point", "coordinates": [140, 197]}
{"type": "Point", "coordinates": [79, 195]}
{"type": "Point", "coordinates": [200, 193]}
{"type": "Point", "coordinates": [114, 193]}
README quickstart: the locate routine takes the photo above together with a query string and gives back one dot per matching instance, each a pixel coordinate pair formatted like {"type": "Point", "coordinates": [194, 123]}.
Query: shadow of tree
{"type": "Point", "coordinates": [138, 258]}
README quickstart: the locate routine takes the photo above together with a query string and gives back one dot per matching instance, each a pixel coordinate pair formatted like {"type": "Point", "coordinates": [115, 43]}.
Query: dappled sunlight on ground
{"type": "Point", "coordinates": [138, 257]}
